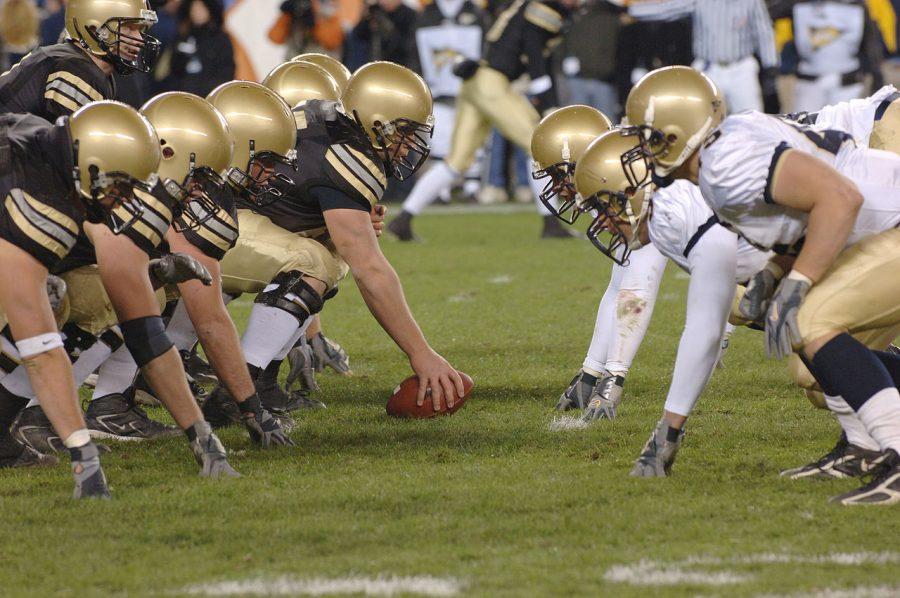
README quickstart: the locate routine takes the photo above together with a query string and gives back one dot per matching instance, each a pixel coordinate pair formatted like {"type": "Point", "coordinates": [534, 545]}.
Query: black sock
{"type": "Point", "coordinates": [588, 379]}
{"type": "Point", "coordinates": [254, 371]}
{"type": "Point", "coordinates": [10, 406]}
{"type": "Point", "coordinates": [891, 362]}
{"type": "Point", "coordinates": [672, 434]}
{"type": "Point", "coordinates": [269, 376]}
{"type": "Point", "coordinates": [847, 368]}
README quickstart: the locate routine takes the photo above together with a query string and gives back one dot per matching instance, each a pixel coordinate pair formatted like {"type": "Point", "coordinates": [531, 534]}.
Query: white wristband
{"type": "Point", "coordinates": [29, 347]}
{"type": "Point", "coordinates": [794, 275]}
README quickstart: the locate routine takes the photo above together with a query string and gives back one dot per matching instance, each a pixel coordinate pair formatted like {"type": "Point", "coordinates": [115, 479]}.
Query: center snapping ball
{"type": "Point", "coordinates": [403, 402]}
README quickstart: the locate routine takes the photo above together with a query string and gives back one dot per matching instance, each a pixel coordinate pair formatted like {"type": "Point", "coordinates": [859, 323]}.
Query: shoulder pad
{"type": "Point", "coordinates": [545, 17]}
{"type": "Point", "coordinates": [358, 171]}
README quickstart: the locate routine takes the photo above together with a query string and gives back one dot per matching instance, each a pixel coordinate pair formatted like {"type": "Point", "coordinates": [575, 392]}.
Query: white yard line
{"type": "Point", "coordinates": [659, 573]}
{"type": "Point", "coordinates": [857, 592]}
{"type": "Point", "coordinates": [567, 422]}
{"type": "Point", "coordinates": [422, 585]}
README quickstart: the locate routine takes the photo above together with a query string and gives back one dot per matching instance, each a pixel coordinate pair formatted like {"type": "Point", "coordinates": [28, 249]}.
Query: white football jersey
{"type": "Point", "coordinates": [828, 35]}
{"type": "Point", "coordinates": [737, 166]}
{"type": "Point", "coordinates": [680, 218]}
{"type": "Point", "coordinates": [856, 116]}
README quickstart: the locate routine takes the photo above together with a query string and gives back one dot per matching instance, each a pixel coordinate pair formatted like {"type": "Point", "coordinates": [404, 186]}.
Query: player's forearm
{"type": "Point", "coordinates": [830, 224]}
{"type": "Point", "coordinates": [218, 337]}
{"type": "Point", "coordinates": [383, 294]}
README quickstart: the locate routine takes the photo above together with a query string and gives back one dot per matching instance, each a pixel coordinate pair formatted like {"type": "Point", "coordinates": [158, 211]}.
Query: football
{"type": "Point", "coordinates": [403, 401]}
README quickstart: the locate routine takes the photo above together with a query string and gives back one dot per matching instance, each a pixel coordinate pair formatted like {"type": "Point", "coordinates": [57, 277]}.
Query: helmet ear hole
{"type": "Point", "coordinates": [168, 153]}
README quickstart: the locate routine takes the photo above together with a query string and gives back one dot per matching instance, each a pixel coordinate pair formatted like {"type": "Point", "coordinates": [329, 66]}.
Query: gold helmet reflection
{"type": "Point", "coordinates": [116, 150]}
{"type": "Point", "coordinates": [675, 108]}
{"type": "Point", "coordinates": [557, 143]}
{"type": "Point", "coordinates": [393, 105]}
{"type": "Point", "coordinates": [301, 81]}
{"type": "Point", "coordinates": [334, 67]}
{"type": "Point", "coordinates": [604, 187]}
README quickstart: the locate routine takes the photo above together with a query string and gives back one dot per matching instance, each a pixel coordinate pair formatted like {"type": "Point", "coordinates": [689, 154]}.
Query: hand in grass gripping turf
{"type": "Point", "coordinates": [176, 268]}
{"type": "Point", "coordinates": [265, 430]}
{"type": "Point", "coordinates": [605, 403]}
{"type": "Point", "coordinates": [659, 452]}
{"type": "Point", "coordinates": [438, 378]}
{"type": "Point", "coordinates": [782, 330]}
{"type": "Point", "coordinates": [209, 452]}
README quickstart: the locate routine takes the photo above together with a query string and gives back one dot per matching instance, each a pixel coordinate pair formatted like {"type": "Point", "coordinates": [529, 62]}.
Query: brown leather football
{"type": "Point", "coordinates": [403, 402]}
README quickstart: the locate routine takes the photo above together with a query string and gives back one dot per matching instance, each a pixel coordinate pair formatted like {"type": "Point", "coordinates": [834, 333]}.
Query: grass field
{"type": "Point", "coordinates": [491, 501]}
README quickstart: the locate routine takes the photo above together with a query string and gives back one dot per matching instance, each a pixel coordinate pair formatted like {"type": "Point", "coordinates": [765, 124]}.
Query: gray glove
{"type": "Point", "coordinates": [209, 452]}
{"type": "Point", "coordinates": [56, 291]}
{"type": "Point", "coordinates": [265, 430]}
{"type": "Point", "coordinates": [755, 301]}
{"type": "Point", "coordinates": [658, 455]}
{"type": "Point", "coordinates": [782, 330]}
{"type": "Point", "coordinates": [176, 268]}
{"type": "Point", "coordinates": [604, 404]}
{"type": "Point", "coordinates": [303, 367]}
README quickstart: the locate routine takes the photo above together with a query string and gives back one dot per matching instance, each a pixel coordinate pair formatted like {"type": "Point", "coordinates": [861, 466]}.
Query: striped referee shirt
{"type": "Point", "coordinates": [725, 31]}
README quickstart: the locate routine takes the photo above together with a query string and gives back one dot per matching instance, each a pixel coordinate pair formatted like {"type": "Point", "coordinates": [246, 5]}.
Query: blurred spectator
{"type": "Point", "coordinates": [837, 44]}
{"type": "Point", "coordinates": [385, 32]}
{"type": "Point", "coordinates": [19, 30]}
{"type": "Point", "coordinates": [727, 34]}
{"type": "Point", "coordinates": [202, 57]}
{"type": "Point", "coordinates": [53, 21]}
{"type": "Point", "coordinates": [314, 25]}
{"type": "Point", "coordinates": [589, 61]}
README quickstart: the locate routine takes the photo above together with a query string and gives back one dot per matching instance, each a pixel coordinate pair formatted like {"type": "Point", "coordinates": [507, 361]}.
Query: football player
{"type": "Point", "coordinates": [299, 239]}
{"type": "Point", "coordinates": [102, 37]}
{"type": "Point", "coordinates": [55, 178]}
{"type": "Point", "coordinates": [683, 228]}
{"type": "Point", "coordinates": [520, 42]}
{"type": "Point", "coordinates": [809, 193]}
{"type": "Point", "coordinates": [197, 149]}
{"type": "Point", "coordinates": [627, 305]}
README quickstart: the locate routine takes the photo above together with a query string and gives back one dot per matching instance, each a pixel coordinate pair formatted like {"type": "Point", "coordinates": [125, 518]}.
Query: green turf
{"type": "Point", "coordinates": [490, 497]}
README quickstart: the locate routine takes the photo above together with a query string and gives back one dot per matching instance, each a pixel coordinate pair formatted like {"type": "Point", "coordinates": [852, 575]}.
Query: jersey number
{"type": "Point", "coordinates": [829, 140]}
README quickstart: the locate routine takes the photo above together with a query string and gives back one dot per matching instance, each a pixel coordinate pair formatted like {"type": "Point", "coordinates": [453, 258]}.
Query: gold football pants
{"type": "Point", "coordinates": [487, 100]}
{"type": "Point", "coordinates": [264, 250]}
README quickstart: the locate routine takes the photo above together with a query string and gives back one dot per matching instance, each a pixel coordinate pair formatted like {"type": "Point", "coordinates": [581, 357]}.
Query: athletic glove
{"type": "Point", "coordinates": [265, 430]}
{"type": "Point", "coordinates": [209, 452]}
{"type": "Point", "coordinates": [175, 268]}
{"type": "Point", "coordinates": [466, 68]}
{"type": "Point", "coordinates": [605, 404]}
{"type": "Point", "coordinates": [782, 330]}
{"type": "Point", "coordinates": [755, 301]}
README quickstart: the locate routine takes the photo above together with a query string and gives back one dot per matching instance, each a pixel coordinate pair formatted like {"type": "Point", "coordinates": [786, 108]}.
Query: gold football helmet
{"type": "Point", "coordinates": [264, 132]}
{"type": "Point", "coordinates": [673, 110]}
{"type": "Point", "coordinates": [300, 81]}
{"type": "Point", "coordinates": [393, 106]}
{"type": "Point", "coordinates": [97, 26]}
{"type": "Point", "coordinates": [115, 149]}
{"type": "Point", "coordinates": [604, 187]}
{"type": "Point", "coordinates": [556, 145]}
{"type": "Point", "coordinates": [196, 147]}
{"type": "Point", "coordinates": [333, 66]}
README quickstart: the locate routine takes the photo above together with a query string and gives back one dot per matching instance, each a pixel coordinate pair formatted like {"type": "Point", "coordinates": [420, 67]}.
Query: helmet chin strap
{"type": "Point", "coordinates": [636, 222]}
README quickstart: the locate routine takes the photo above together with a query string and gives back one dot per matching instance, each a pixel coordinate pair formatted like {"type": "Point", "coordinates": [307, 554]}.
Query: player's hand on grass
{"type": "Point", "coordinates": [265, 430]}
{"type": "Point", "coordinates": [176, 268]}
{"type": "Point", "coordinates": [437, 378]}
{"type": "Point", "coordinates": [782, 329]}
{"type": "Point", "coordinates": [377, 215]}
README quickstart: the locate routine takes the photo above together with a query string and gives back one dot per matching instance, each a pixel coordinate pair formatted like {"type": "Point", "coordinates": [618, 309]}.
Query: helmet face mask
{"type": "Point", "coordinates": [194, 197]}
{"type": "Point", "coordinates": [110, 198]}
{"type": "Point", "coordinates": [110, 38]}
{"type": "Point", "coordinates": [255, 183]}
{"type": "Point", "coordinates": [652, 145]}
{"type": "Point", "coordinates": [405, 143]}
{"type": "Point", "coordinates": [559, 194]}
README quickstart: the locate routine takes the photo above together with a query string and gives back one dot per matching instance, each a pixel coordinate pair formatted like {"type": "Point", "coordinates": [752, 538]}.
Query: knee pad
{"type": "Point", "coordinates": [145, 338]}
{"type": "Point", "coordinates": [289, 292]}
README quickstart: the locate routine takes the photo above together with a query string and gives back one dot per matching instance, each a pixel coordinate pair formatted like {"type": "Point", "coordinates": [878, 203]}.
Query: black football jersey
{"type": "Point", "coordinates": [523, 37]}
{"type": "Point", "coordinates": [40, 213]}
{"type": "Point", "coordinates": [219, 231]}
{"type": "Point", "coordinates": [53, 81]}
{"type": "Point", "coordinates": [337, 169]}
{"type": "Point", "coordinates": [148, 232]}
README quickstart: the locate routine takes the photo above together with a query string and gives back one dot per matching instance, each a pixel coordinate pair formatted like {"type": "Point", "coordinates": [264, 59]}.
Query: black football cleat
{"type": "Point", "coordinates": [33, 429]}
{"type": "Point", "coordinates": [197, 368]}
{"type": "Point", "coordinates": [882, 490]}
{"type": "Point", "coordinates": [16, 454]}
{"type": "Point", "coordinates": [845, 460]}
{"type": "Point", "coordinates": [220, 409]}
{"type": "Point", "coordinates": [117, 417]}
{"type": "Point", "coordinates": [401, 227]}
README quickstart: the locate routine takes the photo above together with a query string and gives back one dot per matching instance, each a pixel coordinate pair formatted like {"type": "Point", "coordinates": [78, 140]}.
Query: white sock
{"type": "Point", "coordinates": [881, 416]}
{"type": "Point", "coordinates": [605, 323]}
{"type": "Point", "coordinates": [180, 329]}
{"type": "Point", "coordinates": [269, 329]}
{"type": "Point", "coordinates": [537, 186]}
{"type": "Point", "coordinates": [89, 361]}
{"type": "Point", "coordinates": [850, 423]}
{"type": "Point", "coordinates": [116, 375]}
{"type": "Point", "coordinates": [17, 383]}
{"type": "Point", "coordinates": [428, 187]}
{"type": "Point", "coordinates": [634, 307]}
{"type": "Point", "coordinates": [282, 353]}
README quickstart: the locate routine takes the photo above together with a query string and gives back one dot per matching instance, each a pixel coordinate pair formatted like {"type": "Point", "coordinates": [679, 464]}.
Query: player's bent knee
{"type": "Point", "coordinates": [805, 380]}
{"type": "Point", "coordinates": [145, 338]}
{"type": "Point", "coordinates": [289, 292]}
